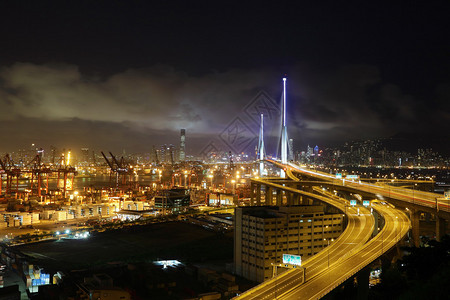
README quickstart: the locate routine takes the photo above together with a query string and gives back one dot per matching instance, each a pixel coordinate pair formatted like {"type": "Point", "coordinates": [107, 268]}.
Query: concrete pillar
{"type": "Point", "coordinates": [252, 194]}
{"type": "Point", "coordinates": [296, 199]}
{"type": "Point", "coordinates": [274, 271]}
{"type": "Point", "coordinates": [440, 228]}
{"type": "Point", "coordinates": [415, 227]}
{"type": "Point", "coordinates": [348, 289]}
{"type": "Point", "coordinates": [363, 283]}
{"type": "Point", "coordinates": [305, 200]}
{"type": "Point", "coordinates": [288, 198]}
{"type": "Point", "coordinates": [377, 224]}
{"type": "Point", "coordinates": [269, 195]}
{"type": "Point", "coordinates": [258, 194]}
{"type": "Point", "coordinates": [279, 197]}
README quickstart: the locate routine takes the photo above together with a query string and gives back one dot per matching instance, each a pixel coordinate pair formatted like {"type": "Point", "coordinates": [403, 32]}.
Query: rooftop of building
{"type": "Point", "coordinates": [266, 212]}
{"type": "Point", "coordinates": [174, 193]}
{"type": "Point", "coordinates": [262, 213]}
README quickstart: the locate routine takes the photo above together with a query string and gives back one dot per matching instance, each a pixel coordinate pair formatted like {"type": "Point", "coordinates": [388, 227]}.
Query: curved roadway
{"type": "Point", "coordinates": [426, 199]}
{"type": "Point", "coordinates": [358, 231]}
{"type": "Point", "coordinates": [343, 258]}
{"type": "Point", "coordinates": [396, 226]}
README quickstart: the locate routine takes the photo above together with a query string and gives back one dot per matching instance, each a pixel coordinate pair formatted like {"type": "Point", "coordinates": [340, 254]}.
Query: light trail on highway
{"type": "Point", "coordinates": [358, 231]}
{"type": "Point", "coordinates": [396, 227]}
{"type": "Point", "coordinates": [427, 199]}
{"type": "Point", "coordinates": [348, 254]}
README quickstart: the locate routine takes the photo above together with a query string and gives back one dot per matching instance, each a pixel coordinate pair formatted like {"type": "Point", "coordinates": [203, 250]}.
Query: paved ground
{"type": "Point", "coordinates": [11, 278]}
{"type": "Point", "coordinates": [44, 225]}
{"type": "Point", "coordinates": [172, 240]}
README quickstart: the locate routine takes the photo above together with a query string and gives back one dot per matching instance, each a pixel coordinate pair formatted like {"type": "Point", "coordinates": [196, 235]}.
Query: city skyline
{"type": "Point", "coordinates": [131, 76]}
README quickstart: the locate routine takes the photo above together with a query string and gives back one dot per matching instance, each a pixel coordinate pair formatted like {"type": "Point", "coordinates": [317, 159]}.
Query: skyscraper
{"type": "Point", "coordinates": [261, 149]}
{"type": "Point", "coordinates": [85, 155]}
{"type": "Point", "coordinates": [284, 137]}
{"type": "Point", "coordinates": [183, 145]}
{"type": "Point", "coordinates": [291, 150]}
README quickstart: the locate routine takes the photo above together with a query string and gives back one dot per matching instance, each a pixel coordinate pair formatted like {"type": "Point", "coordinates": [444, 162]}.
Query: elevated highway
{"type": "Point", "coordinates": [427, 201]}
{"type": "Point", "coordinates": [414, 201]}
{"type": "Point", "coordinates": [343, 258]}
{"type": "Point", "coordinates": [358, 231]}
{"type": "Point", "coordinates": [396, 227]}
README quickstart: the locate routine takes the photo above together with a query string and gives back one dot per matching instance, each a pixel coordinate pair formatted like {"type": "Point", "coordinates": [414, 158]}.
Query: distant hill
{"type": "Point", "coordinates": [411, 142]}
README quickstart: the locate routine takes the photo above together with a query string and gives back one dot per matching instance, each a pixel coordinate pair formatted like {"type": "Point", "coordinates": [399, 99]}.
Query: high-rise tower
{"type": "Point", "coordinates": [183, 145]}
{"type": "Point", "coordinates": [291, 150]}
{"type": "Point", "coordinates": [85, 155]}
{"type": "Point", "coordinates": [261, 149]}
{"type": "Point", "coordinates": [284, 137]}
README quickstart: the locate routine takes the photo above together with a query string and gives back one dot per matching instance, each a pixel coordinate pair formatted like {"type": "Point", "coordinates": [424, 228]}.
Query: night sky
{"type": "Point", "coordinates": [114, 75]}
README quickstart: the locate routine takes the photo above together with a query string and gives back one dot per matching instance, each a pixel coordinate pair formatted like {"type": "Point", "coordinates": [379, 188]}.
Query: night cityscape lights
{"type": "Point", "coordinates": [156, 150]}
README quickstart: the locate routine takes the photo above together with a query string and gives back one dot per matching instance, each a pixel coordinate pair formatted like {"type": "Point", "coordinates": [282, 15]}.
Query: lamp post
{"type": "Point", "coordinates": [211, 177]}
{"type": "Point", "coordinates": [328, 250]}
{"type": "Point", "coordinates": [396, 230]}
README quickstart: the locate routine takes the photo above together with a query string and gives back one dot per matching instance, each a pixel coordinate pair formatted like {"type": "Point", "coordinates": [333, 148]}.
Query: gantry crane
{"type": "Point", "coordinates": [38, 171]}
{"type": "Point", "coordinates": [119, 168]}
{"type": "Point", "coordinates": [11, 172]}
{"type": "Point", "coordinates": [66, 174]}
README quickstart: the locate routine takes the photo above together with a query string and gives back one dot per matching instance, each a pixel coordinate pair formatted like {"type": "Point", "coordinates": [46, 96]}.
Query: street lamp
{"type": "Point", "coordinates": [211, 176]}
{"type": "Point", "coordinates": [396, 231]}
{"type": "Point", "coordinates": [328, 250]}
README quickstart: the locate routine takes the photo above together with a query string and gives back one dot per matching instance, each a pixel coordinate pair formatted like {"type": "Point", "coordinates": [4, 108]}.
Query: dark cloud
{"type": "Point", "coordinates": [76, 133]}
{"type": "Point", "coordinates": [57, 104]}
{"type": "Point", "coordinates": [126, 75]}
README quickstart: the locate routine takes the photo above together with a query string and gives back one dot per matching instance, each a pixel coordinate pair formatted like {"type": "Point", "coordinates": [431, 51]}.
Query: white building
{"type": "Point", "coordinates": [263, 234]}
{"type": "Point", "coordinates": [88, 210]}
{"type": "Point", "coordinates": [16, 219]}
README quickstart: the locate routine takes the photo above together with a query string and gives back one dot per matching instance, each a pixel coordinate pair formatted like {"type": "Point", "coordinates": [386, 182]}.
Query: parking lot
{"type": "Point", "coordinates": [171, 240]}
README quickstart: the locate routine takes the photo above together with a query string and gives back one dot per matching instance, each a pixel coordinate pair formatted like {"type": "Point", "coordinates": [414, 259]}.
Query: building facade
{"type": "Point", "coordinates": [263, 234]}
{"type": "Point", "coordinates": [182, 145]}
{"type": "Point", "coordinates": [175, 200]}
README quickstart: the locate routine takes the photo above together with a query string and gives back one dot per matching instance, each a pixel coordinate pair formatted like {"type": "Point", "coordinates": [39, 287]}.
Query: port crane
{"type": "Point", "coordinates": [39, 176]}
{"type": "Point", "coordinates": [66, 174]}
{"type": "Point", "coordinates": [119, 168]}
{"type": "Point", "coordinates": [12, 172]}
